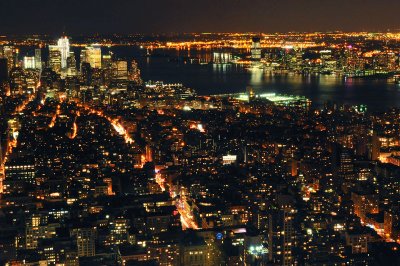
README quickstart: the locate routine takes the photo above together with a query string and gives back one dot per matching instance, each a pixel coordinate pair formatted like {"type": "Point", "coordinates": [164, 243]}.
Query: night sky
{"type": "Point", "coordinates": [146, 16]}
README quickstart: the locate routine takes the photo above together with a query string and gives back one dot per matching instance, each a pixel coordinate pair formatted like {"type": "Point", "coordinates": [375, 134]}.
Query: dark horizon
{"type": "Point", "coordinates": [56, 35]}
{"type": "Point", "coordinates": [157, 16]}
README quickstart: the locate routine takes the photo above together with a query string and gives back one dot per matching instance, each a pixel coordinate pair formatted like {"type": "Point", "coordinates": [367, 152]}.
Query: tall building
{"type": "Point", "coordinates": [86, 73]}
{"type": "Point", "coordinates": [63, 46]}
{"type": "Point", "coordinates": [55, 58]}
{"type": "Point", "coordinates": [343, 166]}
{"type": "Point", "coordinates": [256, 48]}
{"type": "Point", "coordinates": [281, 231]}
{"type": "Point", "coordinates": [92, 55]}
{"type": "Point", "coordinates": [29, 62]}
{"type": "Point", "coordinates": [38, 58]}
{"type": "Point", "coordinates": [120, 70]}
{"type": "Point", "coordinates": [106, 60]}
{"type": "Point", "coordinates": [85, 240]}
{"type": "Point", "coordinates": [119, 231]}
{"type": "Point", "coordinates": [20, 171]}
{"type": "Point", "coordinates": [32, 232]}
{"type": "Point", "coordinates": [346, 166]}
{"type": "Point", "coordinates": [374, 147]}
{"type": "Point", "coordinates": [71, 64]}
{"type": "Point", "coordinates": [134, 73]}
{"type": "Point", "coordinates": [17, 81]}
{"type": "Point", "coordinates": [10, 53]}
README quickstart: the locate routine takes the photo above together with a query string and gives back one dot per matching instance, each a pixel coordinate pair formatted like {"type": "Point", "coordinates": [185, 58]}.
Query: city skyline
{"type": "Point", "coordinates": [156, 16]}
{"type": "Point", "coordinates": [199, 149]}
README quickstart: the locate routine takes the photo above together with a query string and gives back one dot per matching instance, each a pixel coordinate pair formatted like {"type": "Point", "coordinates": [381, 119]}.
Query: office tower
{"type": "Point", "coordinates": [374, 147]}
{"type": "Point", "coordinates": [107, 68]}
{"type": "Point", "coordinates": [72, 86]}
{"type": "Point", "coordinates": [38, 227]}
{"type": "Point", "coordinates": [63, 46]}
{"type": "Point", "coordinates": [134, 73]}
{"type": "Point", "coordinates": [9, 52]}
{"type": "Point", "coordinates": [38, 58]}
{"type": "Point", "coordinates": [106, 60]}
{"type": "Point", "coordinates": [17, 81]}
{"type": "Point", "coordinates": [86, 73]}
{"type": "Point", "coordinates": [281, 231]}
{"type": "Point", "coordinates": [119, 231]}
{"type": "Point", "coordinates": [194, 251]}
{"type": "Point", "coordinates": [71, 64]}
{"type": "Point", "coordinates": [32, 232]}
{"type": "Point", "coordinates": [29, 62]}
{"type": "Point", "coordinates": [120, 70]}
{"type": "Point", "coordinates": [47, 78]}
{"type": "Point", "coordinates": [32, 79]}
{"type": "Point", "coordinates": [85, 240]}
{"type": "Point", "coordinates": [20, 171]}
{"type": "Point", "coordinates": [342, 165]}
{"type": "Point", "coordinates": [346, 166]}
{"type": "Point", "coordinates": [55, 58]}
{"type": "Point", "coordinates": [256, 48]}
{"type": "Point", "coordinates": [361, 145]}
{"type": "Point", "coordinates": [92, 55]}
{"type": "Point", "coordinates": [345, 169]}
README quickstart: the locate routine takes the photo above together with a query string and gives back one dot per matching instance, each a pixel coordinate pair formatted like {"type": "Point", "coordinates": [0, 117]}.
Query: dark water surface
{"type": "Point", "coordinates": [174, 66]}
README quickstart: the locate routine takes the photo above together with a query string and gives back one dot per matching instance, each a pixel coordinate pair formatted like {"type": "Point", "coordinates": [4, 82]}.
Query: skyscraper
{"type": "Point", "coordinates": [9, 52]}
{"type": "Point", "coordinates": [85, 240]}
{"type": "Point", "coordinates": [92, 55]}
{"type": "Point", "coordinates": [29, 62]}
{"type": "Point", "coordinates": [55, 58]}
{"type": "Point", "coordinates": [71, 64]}
{"type": "Point", "coordinates": [120, 70]}
{"type": "Point", "coordinates": [374, 147]}
{"type": "Point", "coordinates": [38, 58]}
{"type": "Point", "coordinates": [256, 49]}
{"type": "Point", "coordinates": [63, 46]}
{"type": "Point", "coordinates": [281, 231]}
{"type": "Point", "coordinates": [17, 81]}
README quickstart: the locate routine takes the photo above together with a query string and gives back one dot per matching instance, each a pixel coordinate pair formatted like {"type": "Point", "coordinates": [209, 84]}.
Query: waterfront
{"type": "Point", "coordinates": [174, 66]}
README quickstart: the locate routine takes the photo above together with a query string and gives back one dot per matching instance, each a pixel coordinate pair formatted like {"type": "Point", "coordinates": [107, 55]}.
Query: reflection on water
{"type": "Point", "coordinates": [174, 66]}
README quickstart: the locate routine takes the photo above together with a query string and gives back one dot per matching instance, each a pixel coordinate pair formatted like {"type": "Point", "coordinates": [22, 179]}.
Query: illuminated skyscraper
{"type": "Point", "coordinates": [120, 70]}
{"type": "Point", "coordinates": [63, 46]}
{"type": "Point", "coordinates": [374, 147]}
{"type": "Point", "coordinates": [38, 58]}
{"type": "Point", "coordinates": [86, 73]}
{"type": "Point", "coordinates": [29, 62]}
{"type": "Point", "coordinates": [10, 53]}
{"type": "Point", "coordinates": [107, 60]}
{"type": "Point", "coordinates": [256, 49]}
{"type": "Point", "coordinates": [71, 64]}
{"type": "Point", "coordinates": [343, 166]}
{"type": "Point", "coordinates": [92, 55]}
{"type": "Point", "coordinates": [55, 58]}
{"type": "Point", "coordinates": [134, 73]}
{"type": "Point", "coordinates": [85, 240]}
{"type": "Point", "coordinates": [17, 81]}
{"type": "Point", "coordinates": [281, 231]}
